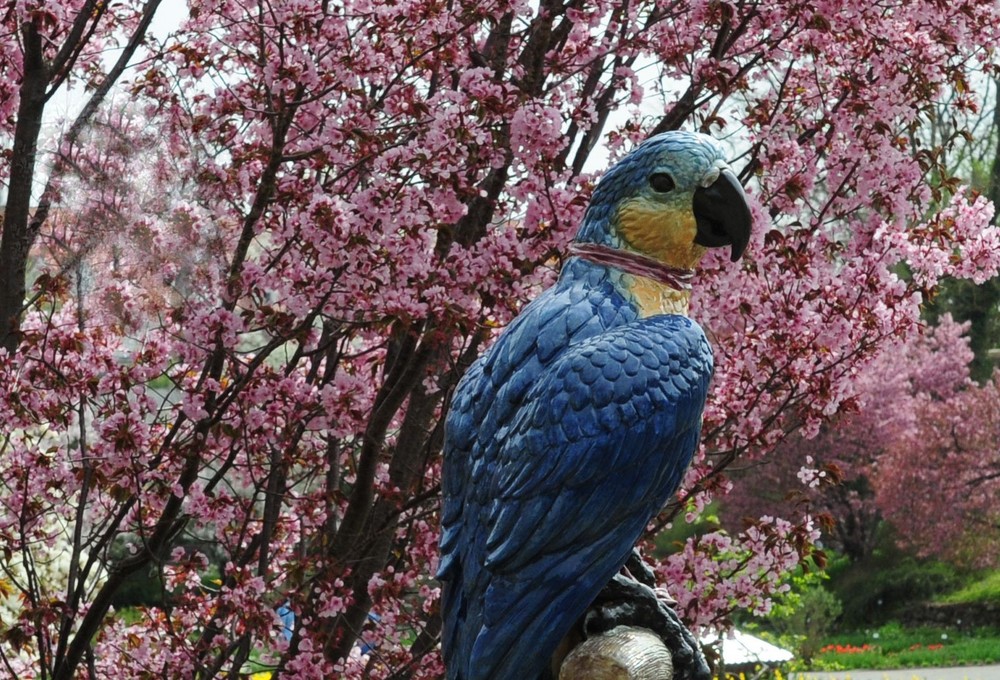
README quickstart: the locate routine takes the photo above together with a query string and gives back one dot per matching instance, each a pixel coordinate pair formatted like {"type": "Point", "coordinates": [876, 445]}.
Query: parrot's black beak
{"type": "Point", "coordinates": [722, 214]}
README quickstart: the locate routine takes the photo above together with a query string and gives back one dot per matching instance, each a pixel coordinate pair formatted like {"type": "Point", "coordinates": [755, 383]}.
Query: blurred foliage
{"type": "Point", "coordinates": [965, 300]}
{"type": "Point", "coordinates": [978, 304]}
{"type": "Point", "coordinates": [980, 587]}
{"type": "Point", "coordinates": [146, 588]}
{"type": "Point", "coordinates": [141, 589]}
{"type": "Point", "coordinates": [874, 592]}
{"type": "Point", "coordinates": [807, 624]}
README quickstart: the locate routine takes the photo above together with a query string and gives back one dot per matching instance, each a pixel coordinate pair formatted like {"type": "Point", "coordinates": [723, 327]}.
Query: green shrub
{"type": "Point", "coordinates": [983, 587]}
{"type": "Point", "coordinates": [810, 621]}
{"type": "Point", "coordinates": [873, 591]}
{"type": "Point", "coordinates": [140, 589]}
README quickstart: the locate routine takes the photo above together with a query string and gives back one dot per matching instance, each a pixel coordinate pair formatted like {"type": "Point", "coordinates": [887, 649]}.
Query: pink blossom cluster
{"type": "Point", "coordinates": [913, 450]}
{"type": "Point", "coordinates": [719, 572]}
{"type": "Point", "coordinates": [938, 484]}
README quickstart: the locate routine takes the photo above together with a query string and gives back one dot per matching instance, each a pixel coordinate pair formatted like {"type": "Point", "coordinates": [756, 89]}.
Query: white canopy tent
{"type": "Point", "coordinates": [740, 649]}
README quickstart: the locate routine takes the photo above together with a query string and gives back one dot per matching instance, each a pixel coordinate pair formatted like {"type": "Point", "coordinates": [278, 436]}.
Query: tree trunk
{"type": "Point", "coordinates": [16, 240]}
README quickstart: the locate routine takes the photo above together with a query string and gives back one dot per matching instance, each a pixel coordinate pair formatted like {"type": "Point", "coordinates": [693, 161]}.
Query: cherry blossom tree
{"type": "Point", "coordinates": [318, 216]}
{"type": "Point", "coordinates": [939, 487]}
{"type": "Point", "coordinates": [964, 299]}
{"type": "Point", "coordinates": [44, 48]}
{"type": "Point", "coordinates": [845, 472]}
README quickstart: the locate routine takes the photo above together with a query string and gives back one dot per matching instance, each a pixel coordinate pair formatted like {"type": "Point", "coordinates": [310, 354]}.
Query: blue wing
{"type": "Point", "coordinates": [562, 443]}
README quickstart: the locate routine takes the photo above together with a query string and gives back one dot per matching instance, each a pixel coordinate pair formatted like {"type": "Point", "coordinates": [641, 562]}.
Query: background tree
{"type": "Point", "coordinates": [341, 202]}
{"type": "Point", "coordinates": [951, 458]}
{"type": "Point", "coordinates": [977, 303]}
{"type": "Point", "coordinates": [45, 48]}
{"type": "Point", "coordinates": [856, 470]}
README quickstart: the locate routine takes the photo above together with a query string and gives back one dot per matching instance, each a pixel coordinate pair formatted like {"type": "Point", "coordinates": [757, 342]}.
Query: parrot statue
{"type": "Point", "coordinates": [574, 429]}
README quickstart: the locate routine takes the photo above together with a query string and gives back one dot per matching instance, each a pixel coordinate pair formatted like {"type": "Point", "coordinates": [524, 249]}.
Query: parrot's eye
{"type": "Point", "coordinates": [661, 182]}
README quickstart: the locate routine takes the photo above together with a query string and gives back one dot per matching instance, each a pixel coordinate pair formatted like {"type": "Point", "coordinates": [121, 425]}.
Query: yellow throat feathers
{"type": "Point", "coordinates": [667, 234]}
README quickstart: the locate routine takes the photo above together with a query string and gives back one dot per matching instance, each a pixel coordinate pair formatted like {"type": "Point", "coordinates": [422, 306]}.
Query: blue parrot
{"type": "Point", "coordinates": [575, 428]}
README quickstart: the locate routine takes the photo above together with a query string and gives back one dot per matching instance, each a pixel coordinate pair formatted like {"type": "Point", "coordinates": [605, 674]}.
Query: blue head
{"type": "Point", "coordinates": [671, 198]}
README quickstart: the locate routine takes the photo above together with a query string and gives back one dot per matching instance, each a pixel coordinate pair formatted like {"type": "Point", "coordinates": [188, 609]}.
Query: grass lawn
{"type": "Point", "coordinates": [893, 646]}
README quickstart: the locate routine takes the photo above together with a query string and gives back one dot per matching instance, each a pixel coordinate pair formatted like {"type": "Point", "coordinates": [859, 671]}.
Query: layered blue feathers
{"type": "Point", "coordinates": [562, 441]}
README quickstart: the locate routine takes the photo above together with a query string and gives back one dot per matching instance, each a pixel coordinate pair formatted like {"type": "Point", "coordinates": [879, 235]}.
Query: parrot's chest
{"type": "Point", "coordinates": [652, 298]}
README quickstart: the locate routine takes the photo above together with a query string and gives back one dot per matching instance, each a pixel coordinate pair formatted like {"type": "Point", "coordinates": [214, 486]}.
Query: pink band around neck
{"type": "Point", "coordinates": [634, 263]}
